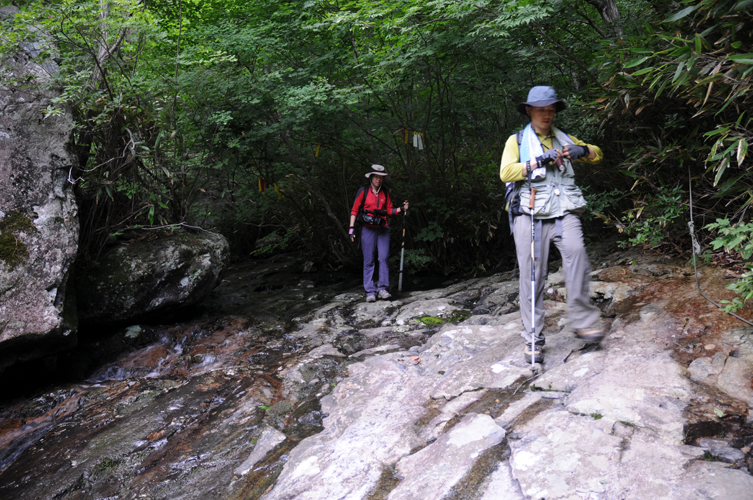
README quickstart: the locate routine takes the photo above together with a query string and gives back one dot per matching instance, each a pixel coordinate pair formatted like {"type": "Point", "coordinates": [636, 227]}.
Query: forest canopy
{"type": "Point", "coordinates": [259, 118]}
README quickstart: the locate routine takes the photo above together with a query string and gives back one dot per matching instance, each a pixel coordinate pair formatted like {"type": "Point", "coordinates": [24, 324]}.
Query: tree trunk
{"type": "Point", "coordinates": [608, 10]}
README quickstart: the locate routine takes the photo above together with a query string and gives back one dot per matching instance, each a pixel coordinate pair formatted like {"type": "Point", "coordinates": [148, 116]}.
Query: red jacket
{"type": "Point", "coordinates": [380, 201]}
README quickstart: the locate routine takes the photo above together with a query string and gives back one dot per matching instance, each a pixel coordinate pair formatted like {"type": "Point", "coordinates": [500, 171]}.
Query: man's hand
{"type": "Point", "coordinates": [547, 157]}
{"type": "Point", "coordinates": [574, 152]}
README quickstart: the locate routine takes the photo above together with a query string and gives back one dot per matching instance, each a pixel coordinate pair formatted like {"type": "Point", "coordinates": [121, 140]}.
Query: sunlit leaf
{"type": "Point", "coordinates": [720, 172]}
{"type": "Point", "coordinates": [643, 71]}
{"type": "Point", "coordinates": [635, 62]}
{"type": "Point", "coordinates": [679, 15]}
{"type": "Point", "coordinates": [742, 150]}
{"type": "Point", "coordinates": [742, 58]}
{"type": "Point", "coordinates": [678, 72]}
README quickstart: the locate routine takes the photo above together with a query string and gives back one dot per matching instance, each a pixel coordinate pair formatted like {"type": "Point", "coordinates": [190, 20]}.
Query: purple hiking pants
{"type": "Point", "coordinates": [375, 240]}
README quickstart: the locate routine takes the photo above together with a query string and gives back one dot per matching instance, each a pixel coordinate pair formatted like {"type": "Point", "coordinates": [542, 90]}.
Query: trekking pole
{"type": "Point", "coordinates": [531, 205]}
{"type": "Point", "coordinates": [402, 255]}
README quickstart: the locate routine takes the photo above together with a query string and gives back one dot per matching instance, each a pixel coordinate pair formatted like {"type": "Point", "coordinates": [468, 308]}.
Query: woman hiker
{"type": "Point", "coordinates": [372, 206]}
{"type": "Point", "coordinates": [546, 154]}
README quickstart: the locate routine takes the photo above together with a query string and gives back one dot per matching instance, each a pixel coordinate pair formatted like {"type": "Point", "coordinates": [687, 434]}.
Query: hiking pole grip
{"type": "Point", "coordinates": [532, 200]}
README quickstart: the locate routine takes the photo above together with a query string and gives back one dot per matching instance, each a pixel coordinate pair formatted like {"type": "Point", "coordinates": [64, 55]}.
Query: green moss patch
{"type": "Point", "coordinates": [12, 250]}
{"type": "Point", "coordinates": [455, 317]}
{"type": "Point", "coordinates": [432, 321]}
{"type": "Point", "coordinates": [16, 222]}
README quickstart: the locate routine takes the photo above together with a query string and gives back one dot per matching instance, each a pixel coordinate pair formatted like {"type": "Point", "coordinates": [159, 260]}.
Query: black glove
{"type": "Point", "coordinates": [547, 157]}
{"type": "Point", "coordinates": [577, 152]}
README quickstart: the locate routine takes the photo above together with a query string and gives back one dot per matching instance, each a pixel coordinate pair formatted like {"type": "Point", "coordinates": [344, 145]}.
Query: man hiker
{"type": "Point", "coordinates": [371, 207]}
{"type": "Point", "coordinates": [544, 155]}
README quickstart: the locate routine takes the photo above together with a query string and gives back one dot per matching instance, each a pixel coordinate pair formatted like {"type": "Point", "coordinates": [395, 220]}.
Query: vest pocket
{"type": "Point", "coordinates": [545, 203]}
{"type": "Point", "coordinates": [574, 201]}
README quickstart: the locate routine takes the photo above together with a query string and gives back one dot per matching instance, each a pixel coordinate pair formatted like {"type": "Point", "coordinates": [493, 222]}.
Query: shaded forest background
{"type": "Point", "coordinates": [259, 118]}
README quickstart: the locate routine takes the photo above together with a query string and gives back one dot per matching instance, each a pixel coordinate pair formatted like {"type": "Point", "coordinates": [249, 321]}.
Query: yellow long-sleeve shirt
{"type": "Point", "coordinates": [511, 169]}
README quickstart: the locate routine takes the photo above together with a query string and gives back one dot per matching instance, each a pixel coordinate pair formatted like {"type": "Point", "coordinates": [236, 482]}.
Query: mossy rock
{"type": "Point", "coordinates": [150, 276]}
{"type": "Point", "coordinates": [455, 317]}
{"type": "Point", "coordinates": [13, 251]}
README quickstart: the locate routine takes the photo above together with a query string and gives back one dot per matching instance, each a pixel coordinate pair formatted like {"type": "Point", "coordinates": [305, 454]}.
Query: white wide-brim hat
{"type": "Point", "coordinates": [377, 170]}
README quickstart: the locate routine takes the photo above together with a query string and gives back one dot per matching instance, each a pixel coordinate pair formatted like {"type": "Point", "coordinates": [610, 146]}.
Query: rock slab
{"type": "Point", "coordinates": [38, 214]}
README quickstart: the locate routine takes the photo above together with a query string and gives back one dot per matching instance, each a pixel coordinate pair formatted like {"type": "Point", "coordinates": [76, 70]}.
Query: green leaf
{"type": "Point", "coordinates": [743, 5]}
{"type": "Point", "coordinates": [742, 150]}
{"type": "Point", "coordinates": [719, 413]}
{"type": "Point", "coordinates": [635, 62]}
{"type": "Point", "coordinates": [679, 15]}
{"type": "Point", "coordinates": [678, 72]}
{"type": "Point", "coordinates": [643, 71]}
{"type": "Point", "coordinates": [720, 172]}
{"type": "Point", "coordinates": [742, 58]}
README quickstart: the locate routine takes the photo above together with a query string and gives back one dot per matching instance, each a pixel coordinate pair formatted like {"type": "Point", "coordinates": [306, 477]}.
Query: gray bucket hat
{"type": "Point", "coordinates": [540, 97]}
{"type": "Point", "coordinates": [377, 170]}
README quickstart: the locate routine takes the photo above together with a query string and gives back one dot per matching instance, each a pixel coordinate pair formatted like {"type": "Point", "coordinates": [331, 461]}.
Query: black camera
{"type": "Point", "coordinates": [371, 220]}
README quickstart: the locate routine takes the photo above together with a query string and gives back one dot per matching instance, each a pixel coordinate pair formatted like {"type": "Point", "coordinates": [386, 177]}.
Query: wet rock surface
{"type": "Point", "coordinates": [289, 386]}
{"type": "Point", "coordinates": [38, 212]}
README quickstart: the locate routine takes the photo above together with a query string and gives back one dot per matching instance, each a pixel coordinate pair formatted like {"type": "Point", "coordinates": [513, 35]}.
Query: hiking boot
{"type": "Point", "coordinates": [537, 355]}
{"type": "Point", "coordinates": [591, 335]}
{"type": "Point", "coordinates": [384, 295]}
{"type": "Point", "coordinates": [371, 298]}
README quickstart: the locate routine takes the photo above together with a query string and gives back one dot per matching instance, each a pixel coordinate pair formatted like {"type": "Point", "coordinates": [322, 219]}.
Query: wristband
{"type": "Point", "coordinates": [528, 167]}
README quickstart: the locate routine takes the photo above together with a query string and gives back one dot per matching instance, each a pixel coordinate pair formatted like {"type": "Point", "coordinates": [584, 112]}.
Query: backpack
{"type": "Point", "coordinates": [512, 191]}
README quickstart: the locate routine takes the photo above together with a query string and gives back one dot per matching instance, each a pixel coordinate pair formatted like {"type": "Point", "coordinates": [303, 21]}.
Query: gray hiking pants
{"type": "Point", "coordinates": [581, 313]}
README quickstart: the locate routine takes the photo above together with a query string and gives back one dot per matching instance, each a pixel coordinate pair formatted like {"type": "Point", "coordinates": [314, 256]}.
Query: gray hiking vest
{"type": "Point", "coordinates": [556, 194]}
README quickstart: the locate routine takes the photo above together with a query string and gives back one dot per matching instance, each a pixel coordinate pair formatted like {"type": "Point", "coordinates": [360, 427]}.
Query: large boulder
{"type": "Point", "coordinates": [38, 213]}
{"type": "Point", "coordinates": [158, 274]}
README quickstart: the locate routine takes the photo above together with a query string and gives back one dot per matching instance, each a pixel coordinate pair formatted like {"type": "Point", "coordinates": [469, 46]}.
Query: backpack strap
{"type": "Point", "coordinates": [363, 200]}
{"type": "Point", "coordinates": [512, 188]}
{"type": "Point", "coordinates": [366, 193]}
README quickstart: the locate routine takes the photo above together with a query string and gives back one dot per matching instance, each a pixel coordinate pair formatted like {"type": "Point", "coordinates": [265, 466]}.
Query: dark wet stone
{"type": "Point", "coordinates": [151, 276]}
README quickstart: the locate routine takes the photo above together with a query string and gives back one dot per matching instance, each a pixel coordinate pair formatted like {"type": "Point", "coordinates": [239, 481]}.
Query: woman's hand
{"type": "Point", "coordinates": [574, 152]}
{"type": "Point", "coordinates": [405, 206]}
{"type": "Point", "coordinates": [352, 233]}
